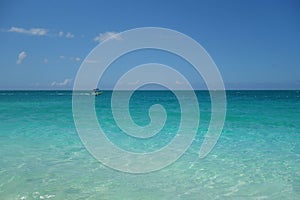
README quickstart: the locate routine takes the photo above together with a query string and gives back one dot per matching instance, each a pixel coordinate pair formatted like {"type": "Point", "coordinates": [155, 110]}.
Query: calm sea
{"type": "Point", "coordinates": [256, 157]}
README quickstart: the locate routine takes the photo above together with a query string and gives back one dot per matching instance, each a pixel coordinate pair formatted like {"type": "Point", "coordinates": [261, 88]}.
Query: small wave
{"type": "Point", "coordinates": [7, 94]}
{"type": "Point", "coordinates": [47, 196]}
{"type": "Point", "coordinates": [82, 94]}
{"type": "Point", "coordinates": [36, 195]}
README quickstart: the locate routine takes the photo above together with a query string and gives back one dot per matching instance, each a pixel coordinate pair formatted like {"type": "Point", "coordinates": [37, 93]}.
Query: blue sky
{"type": "Point", "coordinates": [255, 44]}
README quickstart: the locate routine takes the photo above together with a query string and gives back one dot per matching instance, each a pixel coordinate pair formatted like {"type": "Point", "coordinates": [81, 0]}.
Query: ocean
{"type": "Point", "coordinates": [256, 157]}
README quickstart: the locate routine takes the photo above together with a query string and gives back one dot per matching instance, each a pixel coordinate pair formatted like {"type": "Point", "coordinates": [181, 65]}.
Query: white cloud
{"type": "Point", "coordinates": [39, 32]}
{"type": "Point", "coordinates": [69, 35]}
{"type": "Point", "coordinates": [21, 57]}
{"type": "Point", "coordinates": [32, 31]}
{"type": "Point", "coordinates": [59, 84]}
{"type": "Point", "coordinates": [46, 60]}
{"type": "Point", "coordinates": [62, 57]}
{"type": "Point", "coordinates": [107, 36]}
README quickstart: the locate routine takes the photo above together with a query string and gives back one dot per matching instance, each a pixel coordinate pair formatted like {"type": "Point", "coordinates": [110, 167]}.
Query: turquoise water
{"type": "Point", "coordinates": [256, 157]}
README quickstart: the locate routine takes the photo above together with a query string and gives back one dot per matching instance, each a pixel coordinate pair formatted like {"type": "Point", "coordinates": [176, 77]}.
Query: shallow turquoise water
{"type": "Point", "coordinates": [256, 157]}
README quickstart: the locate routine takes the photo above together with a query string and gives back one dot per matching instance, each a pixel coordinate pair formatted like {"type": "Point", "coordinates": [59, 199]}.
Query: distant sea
{"type": "Point", "coordinates": [256, 157]}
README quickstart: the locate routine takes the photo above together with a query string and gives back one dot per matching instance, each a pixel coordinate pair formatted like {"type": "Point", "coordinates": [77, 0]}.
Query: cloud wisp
{"type": "Point", "coordinates": [61, 84]}
{"type": "Point", "coordinates": [69, 35]}
{"type": "Point", "coordinates": [31, 31]}
{"type": "Point", "coordinates": [66, 35]}
{"type": "Point", "coordinates": [21, 57]}
{"type": "Point", "coordinates": [39, 32]}
{"type": "Point", "coordinates": [76, 59]}
{"type": "Point", "coordinates": [60, 33]}
{"type": "Point", "coordinates": [107, 36]}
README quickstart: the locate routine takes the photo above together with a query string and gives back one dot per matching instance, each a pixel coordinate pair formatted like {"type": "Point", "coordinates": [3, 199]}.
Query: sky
{"type": "Point", "coordinates": [255, 44]}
